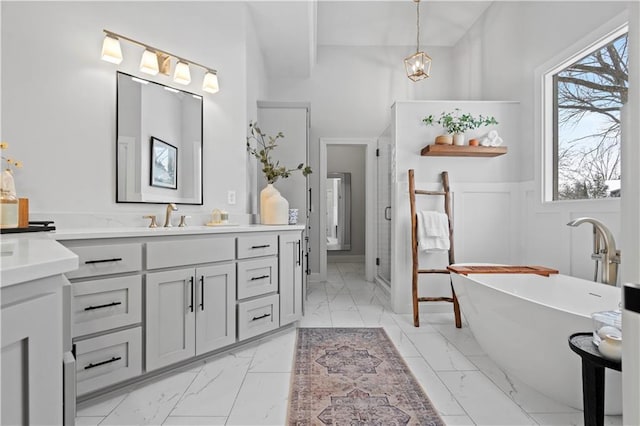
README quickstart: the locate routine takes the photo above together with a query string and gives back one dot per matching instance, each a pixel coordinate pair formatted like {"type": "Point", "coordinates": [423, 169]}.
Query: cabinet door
{"type": "Point", "coordinates": [290, 278]}
{"type": "Point", "coordinates": [32, 362]}
{"type": "Point", "coordinates": [215, 307]}
{"type": "Point", "coordinates": [170, 317]}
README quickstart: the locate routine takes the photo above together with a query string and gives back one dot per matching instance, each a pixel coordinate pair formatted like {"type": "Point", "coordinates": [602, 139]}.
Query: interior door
{"type": "Point", "coordinates": [292, 119]}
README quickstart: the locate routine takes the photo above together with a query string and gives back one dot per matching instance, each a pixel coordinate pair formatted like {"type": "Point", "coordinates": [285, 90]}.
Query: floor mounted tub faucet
{"type": "Point", "coordinates": [604, 250]}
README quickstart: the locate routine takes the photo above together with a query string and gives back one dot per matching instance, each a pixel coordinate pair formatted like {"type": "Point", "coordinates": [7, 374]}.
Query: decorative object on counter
{"type": "Point", "coordinates": [418, 65]}
{"type": "Point", "coordinates": [9, 216]}
{"type": "Point", "coordinates": [156, 61]}
{"type": "Point", "coordinates": [611, 347]}
{"type": "Point", "coordinates": [33, 226]}
{"type": "Point", "coordinates": [456, 123]}
{"type": "Point", "coordinates": [491, 139]}
{"type": "Point", "coordinates": [293, 216]}
{"type": "Point", "coordinates": [23, 212]}
{"type": "Point", "coordinates": [220, 218]}
{"type": "Point", "coordinates": [273, 206]}
{"type": "Point", "coordinates": [474, 142]}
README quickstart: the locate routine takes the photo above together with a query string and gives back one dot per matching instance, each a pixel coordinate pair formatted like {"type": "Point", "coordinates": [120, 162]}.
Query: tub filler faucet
{"type": "Point", "coordinates": [604, 250]}
{"type": "Point", "coordinates": [171, 207]}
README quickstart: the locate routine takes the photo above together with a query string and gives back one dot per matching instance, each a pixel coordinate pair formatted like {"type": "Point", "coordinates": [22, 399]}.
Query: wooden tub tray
{"type": "Point", "coordinates": [496, 269]}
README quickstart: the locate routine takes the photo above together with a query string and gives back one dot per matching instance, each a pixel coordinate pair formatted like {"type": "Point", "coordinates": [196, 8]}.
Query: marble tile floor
{"type": "Point", "coordinates": [250, 385]}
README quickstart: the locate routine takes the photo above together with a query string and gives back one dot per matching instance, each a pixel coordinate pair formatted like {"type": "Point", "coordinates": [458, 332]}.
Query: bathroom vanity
{"type": "Point", "coordinates": [144, 301]}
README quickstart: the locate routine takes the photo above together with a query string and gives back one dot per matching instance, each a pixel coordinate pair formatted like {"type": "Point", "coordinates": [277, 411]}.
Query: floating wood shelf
{"type": "Point", "coordinates": [462, 151]}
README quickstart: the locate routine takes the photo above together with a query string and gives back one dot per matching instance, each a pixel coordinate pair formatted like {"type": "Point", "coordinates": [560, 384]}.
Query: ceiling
{"type": "Point", "coordinates": [291, 31]}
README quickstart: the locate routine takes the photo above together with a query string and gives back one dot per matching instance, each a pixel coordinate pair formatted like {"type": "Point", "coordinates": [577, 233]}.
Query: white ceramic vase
{"type": "Point", "coordinates": [458, 139]}
{"type": "Point", "coordinates": [274, 208]}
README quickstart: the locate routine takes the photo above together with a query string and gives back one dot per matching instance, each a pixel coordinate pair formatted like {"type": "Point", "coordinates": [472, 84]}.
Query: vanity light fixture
{"type": "Point", "coordinates": [182, 74]}
{"type": "Point", "coordinates": [111, 51]}
{"type": "Point", "coordinates": [418, 65]}
{"type": "Point", "coordinates": [210, 83]}
{"type": "Point", "coordinates": [149, 62]}
{"type": "Point", "coordinates": [156, 61]}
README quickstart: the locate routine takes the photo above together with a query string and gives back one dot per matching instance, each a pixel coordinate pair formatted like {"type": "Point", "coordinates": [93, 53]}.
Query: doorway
{"type": "Point", "coordinates": [341, 156]}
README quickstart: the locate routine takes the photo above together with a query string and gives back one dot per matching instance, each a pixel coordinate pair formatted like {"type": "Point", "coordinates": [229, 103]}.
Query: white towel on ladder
{"type": "Point", "coordinates": [433, 231]}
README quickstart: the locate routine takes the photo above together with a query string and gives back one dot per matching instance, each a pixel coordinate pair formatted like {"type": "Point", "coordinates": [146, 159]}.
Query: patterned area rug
{"type": "Point", "coordinates": [354, 376]}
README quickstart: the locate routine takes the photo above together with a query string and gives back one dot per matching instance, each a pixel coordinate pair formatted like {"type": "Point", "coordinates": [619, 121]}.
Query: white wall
{"type": "Point", "coordinates": [485, 195]}
{"type": "Point", "coordinates": [351, 159]}
{"type": "Point", "coordinates": [492, 66]}
{"type": "Point", "coordinates": [58, 100]}
{"type": "Point", "coordinates": [351, 91]}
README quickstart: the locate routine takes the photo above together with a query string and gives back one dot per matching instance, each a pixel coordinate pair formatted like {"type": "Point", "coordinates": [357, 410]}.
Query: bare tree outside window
{"type": "Point", "coordinates": [589, 94]}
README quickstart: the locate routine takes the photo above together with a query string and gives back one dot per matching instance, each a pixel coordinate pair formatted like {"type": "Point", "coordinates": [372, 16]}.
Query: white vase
{"type": "Point", "coordinates": [458, 139]}
{"type": "Point", "coordinates": [611, 347]}
{"type": "Point", "coordinates": [274, 208]}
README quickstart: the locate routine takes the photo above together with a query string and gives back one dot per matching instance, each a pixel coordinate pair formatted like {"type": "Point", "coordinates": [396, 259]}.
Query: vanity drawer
{"type": "Point", "coordinates": [105, 360]}
{"type": "Point", "coordinates": [257, 245]}
{"type": "Point", "coordinates": [257, 277]}
{"type": "Point", "coordinates": [106, 259]}
{"type": "Point", "coordinates": [104, 304]}
{"type": "Point", "coordinates": [164, 254]}
{"type": "Point", "coordinates": [258, 316]}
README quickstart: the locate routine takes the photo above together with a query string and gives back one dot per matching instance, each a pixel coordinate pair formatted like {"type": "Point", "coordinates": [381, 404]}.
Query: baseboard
{"type": "Point", "coordinates": [345, 258]}
{"type": "Point", "coordinates": [314, 277]}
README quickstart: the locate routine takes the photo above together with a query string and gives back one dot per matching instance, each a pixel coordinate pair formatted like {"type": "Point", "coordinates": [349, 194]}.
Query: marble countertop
{"type": "Point", "coordinates": [91, 233]}
{"type": "Point", "coordinates": [30, 258]}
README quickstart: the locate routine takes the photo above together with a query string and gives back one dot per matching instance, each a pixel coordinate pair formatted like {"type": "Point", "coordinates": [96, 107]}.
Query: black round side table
{"type": "Point", "coordinates": [593, 365]}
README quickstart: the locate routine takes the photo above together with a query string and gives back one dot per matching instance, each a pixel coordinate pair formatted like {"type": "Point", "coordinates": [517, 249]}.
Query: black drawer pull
{"type": "Point", "coordinates": [91, 308]}
{"type": "Point", "coordinates": [260, 317]}
{"type": "Point", "coordinates": [115, 259]}
{"type": "Point", "coordinates": [262, 246]}
{"type": "Point", "coordinates": [259, 278]}
{"type": "Point", "coordinates": [98, 364]}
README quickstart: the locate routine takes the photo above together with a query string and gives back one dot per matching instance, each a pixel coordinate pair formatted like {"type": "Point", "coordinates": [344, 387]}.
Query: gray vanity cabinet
{"type": "Point", "coordinates": [290, 273]}
{"type": "Point", "coordinates": [188, 312]}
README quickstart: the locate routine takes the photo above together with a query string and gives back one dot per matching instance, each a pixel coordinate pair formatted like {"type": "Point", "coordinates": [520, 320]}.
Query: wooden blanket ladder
{"type": "Point", "coordinates": [414, 249]}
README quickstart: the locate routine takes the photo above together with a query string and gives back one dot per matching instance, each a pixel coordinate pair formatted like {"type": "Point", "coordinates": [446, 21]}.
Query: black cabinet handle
{"type": "Point", "coordinates": [91, 308]}
{"type": "Point", "coordinates": [259, 278]}
{"type": "Point", "coordinates": [202, 292]}
{"type": "Point", "coordinates": [387, 210]}
{"type": "Point", "coordinates": [115, 259]}
{"type": "Point", "coordinates": [98, 364]}
{"type": "Point", "coordinates": [299, 253]}
{"type": "Point", "coordinates": [262, 246]}
{"type": "Point", "coordinates": [191, 284]}
{"type": "Point", "coordinates": [260, 317]}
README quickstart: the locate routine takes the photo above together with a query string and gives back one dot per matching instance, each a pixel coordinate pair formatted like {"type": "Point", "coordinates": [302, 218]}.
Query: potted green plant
{"type": "Point", "coordinates": [456, 123]}
{"type": "Point", "coordinates": [274, 209]}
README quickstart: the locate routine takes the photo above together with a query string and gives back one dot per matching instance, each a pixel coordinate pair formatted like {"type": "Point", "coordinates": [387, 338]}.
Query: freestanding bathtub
{"type": "Point", "coordinates": [523, 321]}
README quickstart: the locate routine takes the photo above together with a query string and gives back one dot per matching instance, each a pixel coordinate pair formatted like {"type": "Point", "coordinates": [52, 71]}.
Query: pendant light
{"type": "Point", "coordinates": [418, 65]}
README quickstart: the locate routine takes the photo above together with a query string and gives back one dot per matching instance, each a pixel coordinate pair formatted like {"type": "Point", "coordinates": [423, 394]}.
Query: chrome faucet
{"type": "Point", "coordinates": [167, 219]}
{"type": "Point", "coordinates": [604, 250]}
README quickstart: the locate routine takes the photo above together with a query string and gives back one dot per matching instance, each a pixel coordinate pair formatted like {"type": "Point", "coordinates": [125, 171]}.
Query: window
{"type": "Point", "coordinates": [588, 92]}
